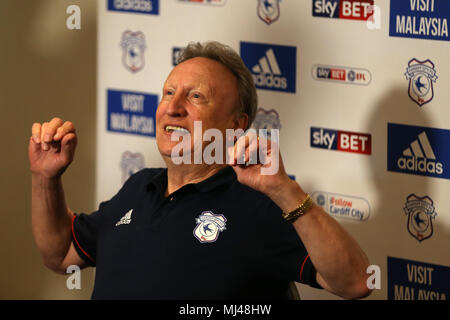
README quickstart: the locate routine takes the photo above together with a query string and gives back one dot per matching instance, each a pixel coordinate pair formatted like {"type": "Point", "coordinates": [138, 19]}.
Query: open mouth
{"type": "Point", "coordinates": [171, 129]}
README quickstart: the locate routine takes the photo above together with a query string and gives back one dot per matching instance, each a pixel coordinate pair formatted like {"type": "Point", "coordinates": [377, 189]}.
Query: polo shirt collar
{"type": "Point", "coordinates": [225, 175]}
{"type": "Point", "coordinates": [222, 177]}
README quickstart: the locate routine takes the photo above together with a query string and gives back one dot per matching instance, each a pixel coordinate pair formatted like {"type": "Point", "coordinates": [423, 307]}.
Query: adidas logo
{"type": "Point", "coordinates": [267, 72]}
{"type": "Point", "coordinates": [419, 157]}
{"type": "Point", "coordinates": [126, 219]}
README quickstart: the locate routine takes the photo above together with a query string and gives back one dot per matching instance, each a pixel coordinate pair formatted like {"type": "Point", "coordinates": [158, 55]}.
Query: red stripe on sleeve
{"type": "Point", "coordinates": [303, 264]}
{"type": "Point", "coordinates": [75, 238]}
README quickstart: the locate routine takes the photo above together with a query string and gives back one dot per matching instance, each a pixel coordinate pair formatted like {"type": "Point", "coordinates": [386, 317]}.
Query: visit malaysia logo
{"type": "Point", "coordinates": [421, 213]}
{"type": "Point", "coordinates": [420, 19]}
{"type": "Point", "coordinates": [131, 112]}
{"type": "Point", "coordinates": [421, 75]}
{"type": "Point", "coordinates": [209, 225]}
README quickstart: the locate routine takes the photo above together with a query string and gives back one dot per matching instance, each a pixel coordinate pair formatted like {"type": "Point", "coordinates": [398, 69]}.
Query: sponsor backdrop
{"type": "Point", "coordinates": [358, 90]}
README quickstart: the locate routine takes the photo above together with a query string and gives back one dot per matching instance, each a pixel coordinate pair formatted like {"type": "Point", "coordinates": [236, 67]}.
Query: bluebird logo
{"type": "Point", "coordinates": [130, 163]}
{"type": "Point", "coordinates": [421, 75]}
{"type": "Point", "coordinates": [133, 49]}
{"type": "Point", "coordinates": [418, 150]}
{"type": "Point", "coordinates": [269, 10]}
{"type": "Point", "coordinates": [268, 120]}
{"type": "Point", "coordinates": [209, 225]}
{"type": "Point", "coordinates": [421, 213]}
{"type": "Point", "coordinates": [273, 66]}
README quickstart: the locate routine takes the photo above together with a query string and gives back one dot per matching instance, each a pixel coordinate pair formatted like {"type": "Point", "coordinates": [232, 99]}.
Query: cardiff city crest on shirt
{"type": "Point", "coordinates": [133, 47]}
{"type": "Point", "coordinates": [268, 10]}
{"type": "Point", "coordinates": [421, 76]}
{"type": "Point", "coordinates": [209, 225]}
{"type": "Point", "coordinates": [421, 213]}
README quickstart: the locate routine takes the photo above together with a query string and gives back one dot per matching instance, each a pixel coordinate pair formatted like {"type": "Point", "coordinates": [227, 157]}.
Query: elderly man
{"type": "Point", "coordinates": [194, 230]}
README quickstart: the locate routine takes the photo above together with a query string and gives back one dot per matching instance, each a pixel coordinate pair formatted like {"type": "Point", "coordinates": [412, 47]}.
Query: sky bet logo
{"type": "Point", "coordinates": [341, 140]}
{"type": "Point", "coordinates": [418, 150]}
{"type": "Point", "coordinates": [273, 66]}
{"type": "Point", "coordinates": [343, 9]}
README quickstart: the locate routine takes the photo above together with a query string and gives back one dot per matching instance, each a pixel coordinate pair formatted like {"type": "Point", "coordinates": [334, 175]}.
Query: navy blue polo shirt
{"type": "Point", "coordinates": [217, 239]}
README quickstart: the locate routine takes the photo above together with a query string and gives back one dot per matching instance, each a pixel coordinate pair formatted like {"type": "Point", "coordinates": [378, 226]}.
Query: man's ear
{"type": "Point", "coordinates": [241, 122]}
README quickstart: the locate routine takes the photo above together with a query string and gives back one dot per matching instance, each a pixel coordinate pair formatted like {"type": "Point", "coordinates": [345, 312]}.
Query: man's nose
{"type": "Point", "coordinates": [176, 107]}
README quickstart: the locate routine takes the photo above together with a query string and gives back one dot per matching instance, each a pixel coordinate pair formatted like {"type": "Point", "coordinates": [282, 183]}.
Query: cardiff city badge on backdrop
{"type": "Point", "coordinates": [268, 10]}
{"type": "Point", "coordinates": [133, 47]}
{"type": "Point", "coordinates": [421, 75]}
{"type": "Point", "coordinates": [130, 163]}
{"type": "Point", "coordinates": [266, 121]}
{"type": "Point", "coordinates": [421, 213]}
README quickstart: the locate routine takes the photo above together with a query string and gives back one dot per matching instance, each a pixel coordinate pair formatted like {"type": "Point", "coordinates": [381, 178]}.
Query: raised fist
{"type": "Point", "coordinates": [52, 147]}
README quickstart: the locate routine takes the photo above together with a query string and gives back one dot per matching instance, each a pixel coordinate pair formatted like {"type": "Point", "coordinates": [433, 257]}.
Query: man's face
{"type": "Point", "coordinates": [198, 89]}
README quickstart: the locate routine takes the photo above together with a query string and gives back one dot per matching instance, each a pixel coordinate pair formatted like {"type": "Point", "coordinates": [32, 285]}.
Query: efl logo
{"type": "Point", "coordinates": [341, 74]}
{"type": "Point", "coordinates": [343, 206]}
{"type": "Point", "coordinates": [341, 140]}
{"type": "Point", "coordinates": [134, 6]}
{"type": "Point", "coordinates": [343, 9]}
{"type": "Point", "coordinates": [131, 112]}
{"type": "Point", "coordinates": [273, 66]}
{"type": "Point", "coordinates": [418, 150]}
{"type": "Point", "coordinates": [420, 19]}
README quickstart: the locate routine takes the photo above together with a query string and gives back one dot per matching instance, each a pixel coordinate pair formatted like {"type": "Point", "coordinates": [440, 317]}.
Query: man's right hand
{"type": "Point", "coordinates": [51, 148]}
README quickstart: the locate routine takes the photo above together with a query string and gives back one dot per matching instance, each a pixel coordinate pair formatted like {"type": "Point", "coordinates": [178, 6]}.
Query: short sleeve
{"type": "Point", "coordinates": [86, 227]}
{"type": "Point", "coordinates": [283, 254]}
{"type": "Point", "coordinates": [84, 232]}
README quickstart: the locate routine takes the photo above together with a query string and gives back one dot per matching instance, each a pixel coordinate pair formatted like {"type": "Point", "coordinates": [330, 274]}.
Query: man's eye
{"type": "Point", "coordinates": [196, 95]}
